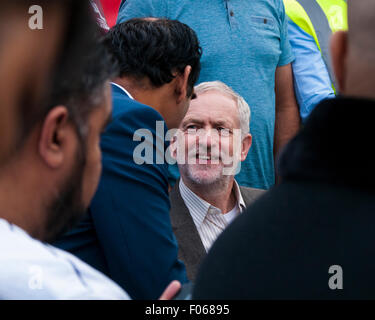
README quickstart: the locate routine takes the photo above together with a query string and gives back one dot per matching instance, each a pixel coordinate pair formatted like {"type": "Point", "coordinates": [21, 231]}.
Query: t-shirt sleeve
{"type": "Point", "coordinates": [312, 83]}
{"type": "Point", "coordinates": [286, 56]}
{"type": "Point", "coordinates": [142, 8]}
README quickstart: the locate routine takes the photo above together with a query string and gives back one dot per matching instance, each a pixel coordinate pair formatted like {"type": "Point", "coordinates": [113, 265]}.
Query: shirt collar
{"type": "Point", "coordinates": [237, 192]}
{"type": "Point", "coordinates": [123, 89]}
{"type": "Point", "coordinates": [198, 207]}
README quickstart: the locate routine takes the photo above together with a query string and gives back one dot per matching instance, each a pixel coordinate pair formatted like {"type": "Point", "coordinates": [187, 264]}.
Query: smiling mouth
{"type": "Point", "coordinates": [207, 159]}
{"type": "Point", "coordinates": [200, 157]}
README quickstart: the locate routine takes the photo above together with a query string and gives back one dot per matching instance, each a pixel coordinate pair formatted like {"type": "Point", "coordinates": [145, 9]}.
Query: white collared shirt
{"type": "Point", "coordinates": [123, 89]}
{"type": "Point", "coordinates": [209, 220]}
{"type": "Point", "coordinates": [30, 269]}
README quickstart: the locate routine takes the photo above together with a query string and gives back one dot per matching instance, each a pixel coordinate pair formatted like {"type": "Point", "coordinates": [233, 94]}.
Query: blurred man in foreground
{"type": "Point", "coordinates": [47, 184]}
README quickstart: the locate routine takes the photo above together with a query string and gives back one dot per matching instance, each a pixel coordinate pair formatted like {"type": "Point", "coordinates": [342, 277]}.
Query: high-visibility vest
{"type": "Point", "coordinates": [319, 19]}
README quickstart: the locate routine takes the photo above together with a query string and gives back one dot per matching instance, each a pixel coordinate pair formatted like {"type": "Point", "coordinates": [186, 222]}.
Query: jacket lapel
{"type": "Point", "coordinates": [190, 247]}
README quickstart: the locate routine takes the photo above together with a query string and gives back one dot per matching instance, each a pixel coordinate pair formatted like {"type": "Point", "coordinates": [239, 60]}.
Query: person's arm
{"type": "Point", "coordinates": [130, 212]}
{"type": "Point", "coordinates": [287, 120]}
{"type": "Point", "coordinates": [171, 291]}
{"type": "Point", "coordinates": [312, 83]}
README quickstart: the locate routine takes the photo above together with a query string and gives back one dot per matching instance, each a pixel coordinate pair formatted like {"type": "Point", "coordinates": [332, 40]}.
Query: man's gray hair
{"type": "Point", "coordinates": [244, 112]}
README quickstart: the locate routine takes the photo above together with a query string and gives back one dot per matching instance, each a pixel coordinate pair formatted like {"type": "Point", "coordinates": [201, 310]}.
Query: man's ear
{"type": "Point", "coordinates": [54, 133]}
{"type": "Point", "coordinates": [339, 48]}
{"type": "Point", "coordinates": [182, 84]}
{"type": "Point", "coordinates": [245, 146]}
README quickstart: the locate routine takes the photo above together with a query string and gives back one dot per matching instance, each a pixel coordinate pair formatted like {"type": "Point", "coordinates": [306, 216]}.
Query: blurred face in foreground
{"type": "Point", "coordinates": [210, 138]}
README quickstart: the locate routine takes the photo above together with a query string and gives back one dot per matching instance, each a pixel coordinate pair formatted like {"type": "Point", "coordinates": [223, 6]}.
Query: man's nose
{"type": "Point", "coordinates": [208, 137]}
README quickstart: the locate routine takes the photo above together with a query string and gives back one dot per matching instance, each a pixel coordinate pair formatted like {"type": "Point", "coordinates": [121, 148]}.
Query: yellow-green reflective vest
{"type": "Point", "coordinates": [319, 19]}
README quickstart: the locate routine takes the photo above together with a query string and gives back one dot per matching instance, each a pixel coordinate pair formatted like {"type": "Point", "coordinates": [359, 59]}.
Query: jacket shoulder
{"type": "Point", "coordinates": [251, 194]}
{"type": "Point", "coordinates": [124, 106]}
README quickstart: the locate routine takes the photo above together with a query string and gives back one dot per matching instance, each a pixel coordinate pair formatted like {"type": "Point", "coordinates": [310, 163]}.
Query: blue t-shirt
{"type": "Point", "coordinates": [243, 43]}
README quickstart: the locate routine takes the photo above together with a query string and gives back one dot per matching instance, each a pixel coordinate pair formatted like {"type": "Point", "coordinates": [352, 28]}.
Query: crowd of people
{"type": "Point", "coordinates": [220, 145]}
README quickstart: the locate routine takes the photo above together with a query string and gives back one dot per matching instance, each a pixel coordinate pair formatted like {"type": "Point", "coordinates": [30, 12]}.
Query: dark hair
{"type": "Point", "coordinates": [155, 48]}
{"type": "Point", "coordinates": [82, 65]}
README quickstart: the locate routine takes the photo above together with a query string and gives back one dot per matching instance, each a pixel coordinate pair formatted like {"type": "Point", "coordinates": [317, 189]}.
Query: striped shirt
{"type": "Point", "coordinates": [209, 220]}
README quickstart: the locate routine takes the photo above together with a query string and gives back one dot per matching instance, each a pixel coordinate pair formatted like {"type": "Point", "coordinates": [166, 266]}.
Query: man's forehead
{"type": "Point", "coordinates": [213, 98]}
{"type": "Point", "coordinates": [212, 104]}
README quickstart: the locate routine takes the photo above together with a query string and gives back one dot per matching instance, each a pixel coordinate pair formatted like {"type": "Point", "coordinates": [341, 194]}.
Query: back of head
{"type": "Point", "coordinates": [80, 87]}
{"type": "Point", "coordinates": [361, 16]}
{"type": "Point", "coordinates": [28, 57]}
{"type": "Point", "coordinates": [155, 48]}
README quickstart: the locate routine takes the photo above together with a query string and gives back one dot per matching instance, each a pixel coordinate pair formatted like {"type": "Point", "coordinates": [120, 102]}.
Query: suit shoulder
{"type": "Point", "coordinates": [251, 194]}
{"type": "Point", "coordinates": [124, 106]}
{"type": "Point", "coordinates": [129, 116]}
{"type": "Point", "coordinates": [254, 191]}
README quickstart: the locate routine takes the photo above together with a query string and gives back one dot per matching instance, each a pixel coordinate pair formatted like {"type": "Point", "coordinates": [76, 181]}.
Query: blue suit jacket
{"type": "Point", "coordinates": [127, 233]}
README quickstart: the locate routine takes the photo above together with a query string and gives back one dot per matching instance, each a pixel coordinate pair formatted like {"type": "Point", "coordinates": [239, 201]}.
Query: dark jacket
{"type": "Point", "coordinates": [190, 247]}
{"type": "Point", "coordinates": [321, 215]}
{"type": "Point", "coordinates": [127, 233]}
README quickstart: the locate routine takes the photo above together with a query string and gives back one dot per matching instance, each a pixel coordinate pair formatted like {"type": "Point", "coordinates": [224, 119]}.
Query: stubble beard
{"type": "Point", "coordinates": [67, 209]}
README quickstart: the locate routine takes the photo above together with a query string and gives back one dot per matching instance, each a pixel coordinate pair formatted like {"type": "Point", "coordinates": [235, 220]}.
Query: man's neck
{"type": "Point", "coordinates": [19, 207]}
{"type": "Point", "coordinates": [143, 92]}
{"type": "Point", "coordinates": [219, 194]}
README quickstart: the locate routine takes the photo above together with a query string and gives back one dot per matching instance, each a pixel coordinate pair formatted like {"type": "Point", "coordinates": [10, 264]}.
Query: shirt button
{"type": "Point", "coordinates": [231, 13]}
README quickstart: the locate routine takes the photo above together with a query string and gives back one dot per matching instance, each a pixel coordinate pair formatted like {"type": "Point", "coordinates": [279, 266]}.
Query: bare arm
{"type": "Point", "coordinates": [287, 121]}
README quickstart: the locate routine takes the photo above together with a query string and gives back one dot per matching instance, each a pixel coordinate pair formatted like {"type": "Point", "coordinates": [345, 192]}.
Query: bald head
{"type": "Point", "coordinates": [361, 36]}
{"type": "Point", "coordinates": [353, 52]}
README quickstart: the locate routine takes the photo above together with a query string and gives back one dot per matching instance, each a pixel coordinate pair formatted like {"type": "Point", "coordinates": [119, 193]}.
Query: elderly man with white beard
{"type": "Point", "coordinates": [212, 141]}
